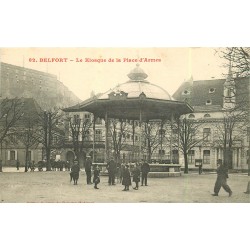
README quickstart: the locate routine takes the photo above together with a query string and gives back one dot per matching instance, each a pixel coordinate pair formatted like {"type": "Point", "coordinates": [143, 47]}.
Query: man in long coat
{"type": "Point", "coordinates": [144, 172]}
{"type": "Point", "coordinates": [111, 171]}
{"type": "Point", "coordinates": [126, 179]}
{"type": "Point", "coordinates": [221, 181]}
{"type": "Point", "coordinates": [88, 165]}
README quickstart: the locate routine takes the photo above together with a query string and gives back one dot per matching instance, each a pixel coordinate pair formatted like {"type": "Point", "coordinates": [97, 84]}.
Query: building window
{"type": "Point", "coordinates": [161, 152]}
{"type": "Point", "coordinates": [211, 90]}
{"type": "Point", "coordinates": [76, 119]}
{"type": "Point", "coordinates": [98, 135]}
{"type": "Point", "coordinates": [136, 138]}
{"type": "Point", "coordinates": [98, 120]}
{"type": "Point", "coordinates": [230, 92]}
{"type": "Point", "coordinates": [186, 92]}
{"type": "Point", "coordinates": [206, 156]}
{"type": "Point", "coordinates": [128, 136]}
{"type": "Point", "coordinates": [191, 116]}
{"type": "Point", "coordinates": [190, 156]}
{"type": "Point", "coordinates": [206, 134]}
{"type": "Point", "coordinates": [208, 102]}
{"type": "Point", "coordinates": [86, 135]}
{"type": "Point", "coordinates": [87, 117]}
{"type": "Point", "coordinates": [12, 155]}
{"type": "Point", "coordinates": [207, 115]}
{"type": "Point", "coordinates": [54, 140]}
{"type": "Point", "coordinates": [29, 156]}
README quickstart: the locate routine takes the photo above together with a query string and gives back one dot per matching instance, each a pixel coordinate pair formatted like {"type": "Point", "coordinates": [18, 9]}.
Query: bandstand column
{"type": "Point", "coordinates": [106, 136]}
{"type": "Point", "coordinates": [178, 140]}
{"type": "Point", "coordinates": [140, 137]}
{"type": "Point", "coordinates": [171, 139]}
{"type": "Point", "coordinates": [133, 151]}
{"type": "Point", "coordinates": [94, 118]}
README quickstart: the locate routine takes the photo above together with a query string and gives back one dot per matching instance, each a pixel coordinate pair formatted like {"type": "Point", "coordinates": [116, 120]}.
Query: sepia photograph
{"type": "Point", "coordinates": [125, 125]}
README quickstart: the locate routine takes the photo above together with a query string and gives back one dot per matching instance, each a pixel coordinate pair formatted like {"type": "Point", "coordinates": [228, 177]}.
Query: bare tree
{"type": "Point", "coordinates": [189, 136]}
{"type": "Point", "coordinates": [118, 130]}
{"type": "Point", "coordinates": [238, 58]}
{"type": "Point", "coordinates": [29, 137]}
{"type": "Point", "coordinates": [154, 135]}
{"type": "Point", "coordinates": [48, 121]}
{"type": "Point", "coordinates": [11, 111]}
{"type": "Point", "coordinates": [230, 131]}
{"type": "Point", "coordinates": [79, 132]}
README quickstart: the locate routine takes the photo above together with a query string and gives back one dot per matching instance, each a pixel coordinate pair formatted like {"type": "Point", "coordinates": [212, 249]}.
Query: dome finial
{"type": "Point", "coordinates": [137, 74]}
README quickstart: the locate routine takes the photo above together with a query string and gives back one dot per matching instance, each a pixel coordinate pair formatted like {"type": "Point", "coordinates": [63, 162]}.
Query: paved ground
{"type": "Point", "coordinates": [50, 187]}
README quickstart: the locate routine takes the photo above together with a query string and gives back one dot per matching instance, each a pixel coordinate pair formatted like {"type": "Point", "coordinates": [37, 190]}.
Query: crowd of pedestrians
{"type": "Point", "coordinates": [118, 173]}
{"type": "Point", "coordinates": [122, 172]}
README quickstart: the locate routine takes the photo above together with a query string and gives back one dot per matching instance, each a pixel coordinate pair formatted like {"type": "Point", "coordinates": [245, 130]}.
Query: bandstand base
{"type": "Point", "coordinates": [163, 174]}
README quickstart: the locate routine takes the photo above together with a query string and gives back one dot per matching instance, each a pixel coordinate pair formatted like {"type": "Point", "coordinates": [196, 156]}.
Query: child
{"type": "Point", "coordinates": [96, 178]}
{"type": "Point", "coordinates": [136, 176]}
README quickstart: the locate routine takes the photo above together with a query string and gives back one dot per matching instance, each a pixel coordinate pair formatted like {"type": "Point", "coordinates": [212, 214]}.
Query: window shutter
{"type": "Point", "coordinates": [32, 155]}
{"type": "Point", "coordinates": [8, 155]}
{"type": "Point", "coordinates": [15, 154]}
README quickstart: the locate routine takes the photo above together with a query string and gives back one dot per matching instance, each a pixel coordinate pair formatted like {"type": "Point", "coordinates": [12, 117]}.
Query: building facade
{"type": "Point", "coordinates": [221, 109]}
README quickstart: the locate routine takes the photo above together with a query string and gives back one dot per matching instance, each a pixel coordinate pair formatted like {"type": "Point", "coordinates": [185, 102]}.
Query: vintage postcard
{"type": "Point", "coordinates": [124, 125]}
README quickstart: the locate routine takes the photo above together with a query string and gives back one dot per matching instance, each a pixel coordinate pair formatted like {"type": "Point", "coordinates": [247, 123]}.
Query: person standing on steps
{"type": "Point", "coordinates": [221, 181]}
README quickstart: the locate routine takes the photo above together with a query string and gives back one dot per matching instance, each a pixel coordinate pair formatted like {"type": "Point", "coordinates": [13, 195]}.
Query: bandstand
{"type": "Point", "coordinates": [136, 100]}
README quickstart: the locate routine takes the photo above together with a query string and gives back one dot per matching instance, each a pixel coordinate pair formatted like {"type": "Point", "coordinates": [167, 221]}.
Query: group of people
{"type": "Point", "coordinates": [30, 165]}
{"type": "Point", "coordinates": [140, 171]}
{"type": "Point", "coordinates": [123, 172]}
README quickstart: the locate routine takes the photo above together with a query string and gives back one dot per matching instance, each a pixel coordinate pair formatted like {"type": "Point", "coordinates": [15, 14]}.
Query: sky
{"type": "Point", "coordinates": [171, 66]}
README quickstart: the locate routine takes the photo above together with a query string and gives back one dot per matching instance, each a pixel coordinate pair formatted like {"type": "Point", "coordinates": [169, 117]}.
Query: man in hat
{"type": "Point", "coordinates": [74, 174]}
{"type": "Point", "coordinates": [221, 181]}
{"type": "Point", "coordinates": [144, 172]}
{"type": "Point", "coordinates": [111, 171]}
{"type": "Point", "coordinates": [88, 165]}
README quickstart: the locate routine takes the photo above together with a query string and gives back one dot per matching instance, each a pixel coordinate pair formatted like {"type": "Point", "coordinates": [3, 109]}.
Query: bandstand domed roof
{"type": "Point", "coordinates": [133, 99]}
{"type": "Point", "coordinates": [137, 85]}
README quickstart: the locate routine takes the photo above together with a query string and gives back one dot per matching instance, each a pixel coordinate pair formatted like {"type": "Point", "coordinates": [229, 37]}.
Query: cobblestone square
{"type": "Point", "coordinates": [55, 187]}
